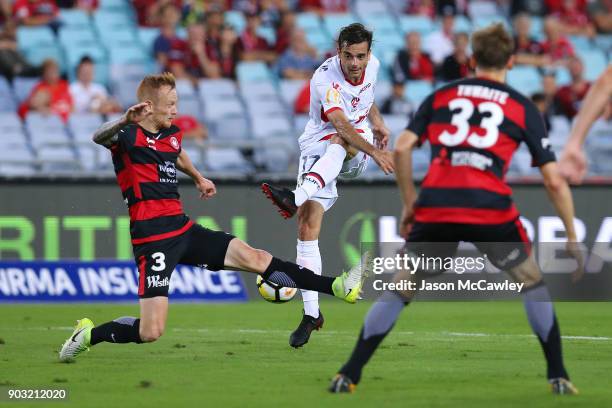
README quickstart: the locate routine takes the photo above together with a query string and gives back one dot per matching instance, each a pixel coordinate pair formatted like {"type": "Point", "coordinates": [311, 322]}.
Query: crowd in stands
{"type": "Point", "coordinates": [422, 44]}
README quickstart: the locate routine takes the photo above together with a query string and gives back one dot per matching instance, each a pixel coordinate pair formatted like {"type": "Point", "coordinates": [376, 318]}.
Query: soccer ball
{"type": "Point", "coordinates": [273, 292]}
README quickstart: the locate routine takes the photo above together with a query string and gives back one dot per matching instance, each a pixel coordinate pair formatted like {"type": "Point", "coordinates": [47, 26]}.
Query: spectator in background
{"type": "Point", "coordinates": [214, 23]}
{"type": "Point", "coordinates": [12, 62]}
{"type": "Point", "coordinates": [397, 103]}
{"type": "Point", "coordinates": [283, 32]}
{"type": "Point", "coordinates": [556, 46]}
{"type": "Point", "coordinates": [528, 50]}
{"type": "Point", "coordinates": [539, 100]}
{"type": "Point", "coordinates": [251, 46]}
{"type": "Point", "coordinates": [600, 12]}
{"type": "Point", "coordinates": [570, 97]}
{"type": "Point", "coordinates": [191, 128]}
{"type": "Point", "coordinates": [50, 96]}
{"type": "Point", "coordinates": [549, 90]}
{"type": "Point", "coordinates": [425, 8]}
{"type": "Point", "coordinates": [89, 96]}
{"type": "Point", "coordinates": [198, 64]}
{"type": "Point", "coordinates": [148, 12]}
{"type": "Point", "coordinates": [6, 11]}
{"type": "Point", "coordinates": [457, 65]}
{"type": "Point", "coordinates": [439, 44]}
{"type": "Point", "coordinates": [300, 60]}
{"type": "Point", "coordinates": [322, 7]}
{"type": "Point", "coordinates": [574, 19]}
{"type": "Point", "coordinates": [224, 52]}
{"type": "Point", "coordinates": [411, 63]}
{"type": "Point", "coordinates": [36, 13]}
{"type": "Point", "coordinates": [171, 51]}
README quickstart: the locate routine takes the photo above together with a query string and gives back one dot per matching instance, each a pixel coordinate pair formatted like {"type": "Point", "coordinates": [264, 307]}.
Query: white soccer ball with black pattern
{"type": "Point", "coordinates": [273, 292]}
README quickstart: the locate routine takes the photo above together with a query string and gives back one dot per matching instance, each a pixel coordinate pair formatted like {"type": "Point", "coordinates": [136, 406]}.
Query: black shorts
{"type": "Point", "coordinates": [156, 261]}
{"type": "Point", "coordinates": [505, 245]}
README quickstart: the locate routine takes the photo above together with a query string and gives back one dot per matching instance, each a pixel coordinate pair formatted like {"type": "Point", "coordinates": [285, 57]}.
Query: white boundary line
{"type": "Point", "coordinates": [442, 334]}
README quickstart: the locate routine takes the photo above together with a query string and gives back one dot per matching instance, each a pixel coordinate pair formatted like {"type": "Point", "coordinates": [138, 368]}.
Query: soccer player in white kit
{"type": "Point", "coordinates": [345, 130]}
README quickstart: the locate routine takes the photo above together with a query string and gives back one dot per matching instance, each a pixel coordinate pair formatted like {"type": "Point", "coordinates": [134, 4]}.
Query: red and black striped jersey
{"type": "Point", "coordinates": [145, 165]}
{"type": "Point", "coordinates": [474, 126]}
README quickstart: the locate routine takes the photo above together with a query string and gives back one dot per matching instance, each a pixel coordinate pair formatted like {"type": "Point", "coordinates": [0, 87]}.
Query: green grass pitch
{"type": "Point", "coordinates": [237, 355]}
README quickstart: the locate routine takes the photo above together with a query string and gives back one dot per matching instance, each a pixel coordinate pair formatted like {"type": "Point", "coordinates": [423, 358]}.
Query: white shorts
{"type": "Point", "coordinates": [352, 168]}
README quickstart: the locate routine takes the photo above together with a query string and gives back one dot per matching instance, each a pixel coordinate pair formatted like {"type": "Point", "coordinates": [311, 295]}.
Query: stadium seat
{"type": "Point", "coordinates": [289, 90]}
{"type": "Point", "coordinates": [28, 37]}
{"type": "Point", "coordinates": [216, 89]}
{"type": "Point", "coordinates": [125, 92]}
{"type": "Point", "coordinates": [147, 36]}
{"type": "Point", "coordinates": [222, 108]}
{"type": "Point", "coordinates": [254, 91]}
{"type": "Point", "coordinates": [37, 55]}
{"type": "Point", "coordinates": [10, 123]}
{"type": "Point", "coordinates": [320, 40]}
{"type": "Point", "coordinates": [525, 79]}
{"type": "Point", "coordinates": [253, 71]}
{"type": "Point", "coordinates": [112, 20]}
{"type": "Point", "coordinates": [236, 19]}
{"type": "Point", "coordinates": [94, 157]}
{"type": "Point", "coordinates": [595, 62]}
{"type": "Point", "coordinates": [115, 5]}
{"type": "Point", "coordinates": [417, 91]}
{"type": "Point", "coordinates": [75, 18]}
{"type": "Point", "coordinates": [381, 24]}
{"type": "Point", "coordinates": [273, 157]}
{"type": "Point", "coordinates": [562, 76]}
{"type": "Point", "coordinates": [387, 41]}
{"type": "Point", "coordinates": [231, 127]}
{"type": "Point", "coordinates": [23, 86]}
{"type": "Point", "coordinates": [382, 91]}
{"type": "Point", "coordinates": [271, 126]}
{"type": "Point", "coordinates": [365, 8]}
{"type": "Point", "coordinates": [265, 108]}
{"type": "Point", "coordinates": [57, 159]}
{"type": "Point", "coordinates": [420, 24]}
{"type": "Point", "coordinates": [16, 170]}
{"type": "Point", "coordinates": [559, 132]}
{"type": "Point", "coordinates": [118, 38]}
{"type": "Point", "coordinates": [462, 24]}
{"type": "Point", "coordinates": [46, 129]}
{"type": "Point", "coordinates": [123, 54]}
{"type": "Point", "coordinates": [308, 22]}
{"type": "Point", "coordinates": [16, 151]}
{"type": "Point", "coordinates": [83, 125]}
{"type": "Point", "coordinates": [396, 124]}
{"type": "Point", "coordinates": [185, 89]}
{"type": "Point", "coordinates": [537, 27]}
{"type": "Point", "coordinates": [604, 42]}
{"type": "Point", "coordinates": [268, 34]}
{"type": "Point", "coordinates": [581, 43]}
{"type": "Point", "coordinates": [190, 105]}
{"type": "Point", "coordinates": [479, 22]}
{"type": "Point", "coordinates": [299, 123]}
{"type": "Point", "coordinates": [75, 53]}
{"type": "Point", "coordinates": [7, 100]}
{"type": "Point", "coordinates": [226, 159]}
{"type": "Point", "coordinates": [480, 8]}
{"type": "Point", "coordinates": [77, 36]}
{"type": "Point", "coordinates": [334, 22]}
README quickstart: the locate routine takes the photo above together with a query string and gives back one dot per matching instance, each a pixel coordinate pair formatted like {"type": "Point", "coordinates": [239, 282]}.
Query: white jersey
{"type": "Point", "coordinates": [330, 90]}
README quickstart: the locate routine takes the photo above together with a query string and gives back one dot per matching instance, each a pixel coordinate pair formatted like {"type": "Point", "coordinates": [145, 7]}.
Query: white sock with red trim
{"type": "Point", "coordinates": [324, 170]}
{"type": "Point", "coordinates": [308, 256]}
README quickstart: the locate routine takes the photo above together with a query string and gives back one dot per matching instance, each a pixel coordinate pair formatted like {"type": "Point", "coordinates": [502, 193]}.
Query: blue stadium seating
{"type": "Point", "coordinates": [236, 19]}
{"type": "Point", "coordinates": [417, 91]}
{"type": "Point", "coordinates": [74, 18]}
{"type": "Point", "coordinates": [334, 22]}
{"type": "Point", "coordinates": [525, 79]}
{"type": "Point", "coordinates": [253, 71]}
{"type": "Point", "coordinates": [420, 24]}
{"type": "Point", "coordinates": [28, 37]}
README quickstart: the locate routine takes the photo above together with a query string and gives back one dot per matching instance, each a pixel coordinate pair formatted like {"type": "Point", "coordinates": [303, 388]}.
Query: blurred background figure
{"type": "Point", "coordinates": [456, 65]}
{"type": "Point", "coordinates": [12, 61]}
{"type": "Point", "coordinates": [556, 46]}
{"type": "Point", "coordinates": [252, 46]}
{"type": "Point", "coordinates": [569, 97]}
{"type": "Point", "coordinates": [397, 103]}
{"type": "Point", "coordinates": [300, 60]}
{"type": "Point", "coordinates": [439, 44]}
{"type": "Point", "coordinates": [89, 97]}
{"type": "Point", "coordinates": [528, 50]}
{"type": "Point", "coordinates": [169, 49]}
{"type": "Point", "coordinates": [411, 63]}
{"type": "Point", "coordinates": [51, 96]}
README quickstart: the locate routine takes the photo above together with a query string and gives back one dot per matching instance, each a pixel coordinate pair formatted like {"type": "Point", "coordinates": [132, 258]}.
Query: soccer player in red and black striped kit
{"type": "Point", "coordinates": [146, 152]}
{"type": "Point", "coordinates": [473, 126]}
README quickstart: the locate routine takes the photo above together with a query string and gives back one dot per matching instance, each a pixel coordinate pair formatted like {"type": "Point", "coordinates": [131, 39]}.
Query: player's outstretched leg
{"type": "Point", "coordinates": [378, 323]}
{"type": "Point", "coordinates": [325, 170]}
{"type": "Point", "coordinates": [543, 322]}
{"type": "Point", "coordinates": [347, 286]}
{"type": "Point", "coordinates": [78, 342]}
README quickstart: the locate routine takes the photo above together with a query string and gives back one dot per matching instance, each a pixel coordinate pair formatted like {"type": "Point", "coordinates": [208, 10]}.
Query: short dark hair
{"type": "Point", "coordinates": [354, 34]}
{"type": "Point", "coordinates": [86, 60]}
{"type": "Point", "coordinates": [538, 97]}
{"type": "Point", "coordinates": [492, 47]}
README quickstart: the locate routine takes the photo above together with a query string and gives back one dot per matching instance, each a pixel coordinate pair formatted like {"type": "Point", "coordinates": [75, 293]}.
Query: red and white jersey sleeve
{"type": "Point", "coordinates": [330, 90]}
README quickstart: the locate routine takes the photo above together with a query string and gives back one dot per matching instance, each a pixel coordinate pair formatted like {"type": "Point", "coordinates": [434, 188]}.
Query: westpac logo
{"type": "Point", "coordinates": [155, 281]}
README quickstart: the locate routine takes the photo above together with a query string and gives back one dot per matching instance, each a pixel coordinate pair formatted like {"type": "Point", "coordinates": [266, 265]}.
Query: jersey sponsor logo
{"type": "Point", "coordinates": [155, 281]}
{"type": "Point", "coordinates": [174, 142]}
{"type": "Point", "coordinates": [471, 159]}
{"type": "Point", "coordinates": [169, 169]}
{"type": "Point", "coordinates": [365, 87]}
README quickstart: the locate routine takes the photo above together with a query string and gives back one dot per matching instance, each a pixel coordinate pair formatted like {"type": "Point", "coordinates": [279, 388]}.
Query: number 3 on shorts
{"type": "Point", "coordinates": [160, 263]}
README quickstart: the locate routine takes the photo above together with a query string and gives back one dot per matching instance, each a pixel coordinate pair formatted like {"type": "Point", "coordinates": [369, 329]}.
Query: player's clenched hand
{"type": "Point", "coordinates": [206, 187]}
{"type": "Point", "coordinates": [575, 250]}
{"type": "Point", "coordinates": [384, 159]}
{"type": "Point", "coordinates": [406, 221]}
{"type": "Point", "coordinates": [381, 136]}
{"type": "Point", "coordinates": [573, 164]}
{"type": "Point", "coordinates": [138, 112]}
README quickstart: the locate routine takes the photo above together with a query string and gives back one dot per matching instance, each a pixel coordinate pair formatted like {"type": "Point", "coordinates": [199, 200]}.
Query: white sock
{"type": "Point", "coordinates": [308, 256]}
{"type": "Point", "coordinates": [324, 170]}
